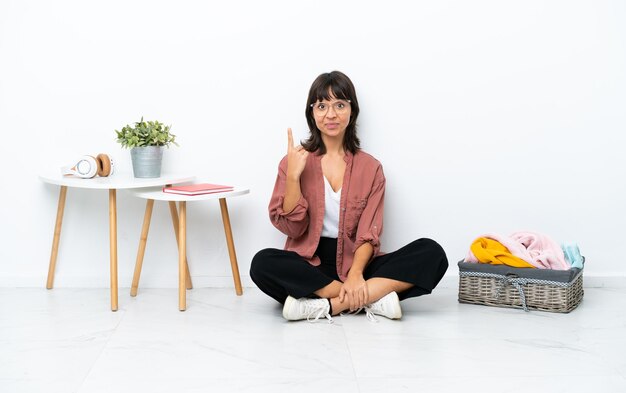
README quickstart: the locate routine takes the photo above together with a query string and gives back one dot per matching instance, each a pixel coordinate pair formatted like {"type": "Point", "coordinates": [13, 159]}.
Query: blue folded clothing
{"type": "Point", "coordinates": [572, 255]}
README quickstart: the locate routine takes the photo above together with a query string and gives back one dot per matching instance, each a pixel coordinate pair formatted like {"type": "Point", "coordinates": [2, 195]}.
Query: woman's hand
{"type": "Point", "coordinates": [296, 158]}
{"type": "Point", "coordinates": [355, 289]}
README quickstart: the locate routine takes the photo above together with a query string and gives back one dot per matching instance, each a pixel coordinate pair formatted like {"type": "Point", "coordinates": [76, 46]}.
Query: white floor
{"type": "Point", "coordinates": [66, 340]}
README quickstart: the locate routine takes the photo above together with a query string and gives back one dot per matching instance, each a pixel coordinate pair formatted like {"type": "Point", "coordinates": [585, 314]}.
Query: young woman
{"type": "Point", "coordinates": [328, 200]}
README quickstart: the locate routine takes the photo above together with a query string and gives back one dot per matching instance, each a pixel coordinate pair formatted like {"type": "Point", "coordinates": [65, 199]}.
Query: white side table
{"type": "Point", "coordinates": [111, 183]}
{"type": "Point", "coordinates": [184, 281]}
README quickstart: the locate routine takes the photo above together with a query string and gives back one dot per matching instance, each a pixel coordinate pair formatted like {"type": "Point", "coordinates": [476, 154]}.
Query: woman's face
{"type": "Point", "coordinates": [332, 116]}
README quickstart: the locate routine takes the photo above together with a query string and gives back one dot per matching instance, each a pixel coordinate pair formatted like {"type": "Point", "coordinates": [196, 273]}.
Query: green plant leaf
{"type": "Point", "coordinates": [145, 133]}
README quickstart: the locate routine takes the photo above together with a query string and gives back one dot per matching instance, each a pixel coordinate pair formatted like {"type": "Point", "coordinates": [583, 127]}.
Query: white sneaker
{"type": "Point", "coordinates": [388, 306]}
{"type": "Point", "coordinates": [309, 309]}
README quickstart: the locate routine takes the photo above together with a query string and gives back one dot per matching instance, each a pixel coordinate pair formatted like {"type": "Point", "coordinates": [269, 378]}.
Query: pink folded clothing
{"type": "Point", "coordinates": [537, 249]}
{"type": "Point", "coordinates": [543, 250]}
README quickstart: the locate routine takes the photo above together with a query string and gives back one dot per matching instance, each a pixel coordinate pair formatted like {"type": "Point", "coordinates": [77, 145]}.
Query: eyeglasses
{"type": "Point", "coordinates": [340, 107]}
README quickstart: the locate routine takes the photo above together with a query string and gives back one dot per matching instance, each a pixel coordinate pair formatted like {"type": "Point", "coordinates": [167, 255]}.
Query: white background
{"type": "Point", "coordinates": [488, 116]}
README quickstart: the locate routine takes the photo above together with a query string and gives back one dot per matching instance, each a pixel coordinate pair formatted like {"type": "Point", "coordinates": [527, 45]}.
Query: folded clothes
{"type": "Point", "coordinates": [515, 248]}
{"type": "Point", "coordinates": [572, 255]}
{"type": "Point", "coordinates": [543, 250]}
{"type": "Point", "coordinates": [491, 251]}
{"type": "Point", "coordinates": [536, 249]}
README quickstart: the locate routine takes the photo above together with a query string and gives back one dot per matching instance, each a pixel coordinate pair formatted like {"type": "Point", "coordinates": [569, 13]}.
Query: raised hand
{"type": "Point", "coordinates": [296, 158]}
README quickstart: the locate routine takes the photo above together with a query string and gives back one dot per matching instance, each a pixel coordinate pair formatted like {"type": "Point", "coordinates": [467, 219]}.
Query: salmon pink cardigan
{"type": "Point", "coordinates": [360, 209]}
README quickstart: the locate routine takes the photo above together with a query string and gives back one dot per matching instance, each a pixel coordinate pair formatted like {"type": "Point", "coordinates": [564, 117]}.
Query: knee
{"type": "Point", "coordinates": [433, 247]}
{"type": "Point", "coordinates": [438, 254]}
{"type": "Point", "coordinates": [434, 252]}
{"type": "Point", "coordinates": [261, 261]}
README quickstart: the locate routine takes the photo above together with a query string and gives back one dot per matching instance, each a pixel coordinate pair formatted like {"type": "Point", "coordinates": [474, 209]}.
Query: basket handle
{"type": "Point", "coordinates": [517, 282]}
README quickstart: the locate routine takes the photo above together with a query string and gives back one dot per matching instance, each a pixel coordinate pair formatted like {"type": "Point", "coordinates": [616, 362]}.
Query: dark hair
{"type": "Point", "coordinates": [332, 84]}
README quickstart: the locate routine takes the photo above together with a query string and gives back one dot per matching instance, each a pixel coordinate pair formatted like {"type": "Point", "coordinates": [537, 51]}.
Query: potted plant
{"type": "Point", "coordinates": [146, 140]}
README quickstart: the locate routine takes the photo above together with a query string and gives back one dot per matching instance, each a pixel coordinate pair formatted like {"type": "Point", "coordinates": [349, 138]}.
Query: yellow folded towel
{"type": "Point", "coordinates": [491, 251]}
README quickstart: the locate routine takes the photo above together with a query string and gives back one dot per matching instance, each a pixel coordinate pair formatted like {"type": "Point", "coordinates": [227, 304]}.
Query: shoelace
{"type": "Point", "coordinates": [321, 312]}
{"type": "Point", "coordinates": [368, 313]}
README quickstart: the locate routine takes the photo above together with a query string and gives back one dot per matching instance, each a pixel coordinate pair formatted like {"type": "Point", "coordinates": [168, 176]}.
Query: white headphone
{"type": "Point", "coordinates": [87, 167]}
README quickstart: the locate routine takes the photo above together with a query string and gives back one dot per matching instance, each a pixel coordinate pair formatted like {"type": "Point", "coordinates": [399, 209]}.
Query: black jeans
{"type": "Point", "coordinates": [281, 273]}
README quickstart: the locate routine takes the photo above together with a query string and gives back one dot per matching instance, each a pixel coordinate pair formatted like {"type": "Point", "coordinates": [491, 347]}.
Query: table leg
{"type": "Point", "coordinates": [174, 215]}
{"type": "Point", "coordinates": [113, 246]}
{"type": "Point", "coordinates": [182, 251]}
{"type": "Point", "coordinates": [143, 239]}
{"type": "Point", "coordinates": [231, 246]}
{"type": "Point", "coordinates": [56, 237]}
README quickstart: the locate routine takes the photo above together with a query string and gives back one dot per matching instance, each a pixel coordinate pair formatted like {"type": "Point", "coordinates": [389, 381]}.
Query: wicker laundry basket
{"type": "Point", "coordinates": [525, 288]}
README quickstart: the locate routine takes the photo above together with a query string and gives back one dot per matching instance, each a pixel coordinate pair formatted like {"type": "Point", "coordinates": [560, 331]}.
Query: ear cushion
{"type": "Point", "coordinates": [105, 165]}
{"type": "Point", "coordinates": [85, 167]}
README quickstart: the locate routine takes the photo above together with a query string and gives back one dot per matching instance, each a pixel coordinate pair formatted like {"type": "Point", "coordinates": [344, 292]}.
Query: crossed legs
{"type": "Point", "coordinates": [411, 271]}
{"type": "Point", "coordinates": [377, 288]}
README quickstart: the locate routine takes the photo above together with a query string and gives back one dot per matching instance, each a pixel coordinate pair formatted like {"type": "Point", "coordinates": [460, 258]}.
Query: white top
{"type": "Point", "coordinates": [330, 228]}
{"type": "Point", "coordinates": [156, 193]}
{"type": "Point", "coordinates": [116, 181]}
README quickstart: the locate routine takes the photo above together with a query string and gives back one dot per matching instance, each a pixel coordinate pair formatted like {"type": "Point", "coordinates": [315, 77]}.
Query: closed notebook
{"type": "Point", "coordinates": [197, 189]}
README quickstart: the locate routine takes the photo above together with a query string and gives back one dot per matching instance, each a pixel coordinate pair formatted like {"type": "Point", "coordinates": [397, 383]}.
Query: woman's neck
{"type": "Point", "coordinates": [334, 146]}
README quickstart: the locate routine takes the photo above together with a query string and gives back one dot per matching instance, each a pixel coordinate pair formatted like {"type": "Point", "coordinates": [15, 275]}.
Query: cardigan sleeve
{"type": "Point", "coordinates": [370, 225]}
{"type": "Point", "coordinates": [294, 223]}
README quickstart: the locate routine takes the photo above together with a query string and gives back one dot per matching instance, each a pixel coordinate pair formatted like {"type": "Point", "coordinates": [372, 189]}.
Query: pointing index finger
{"type": "Point", "coordinates": [289, 139]}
